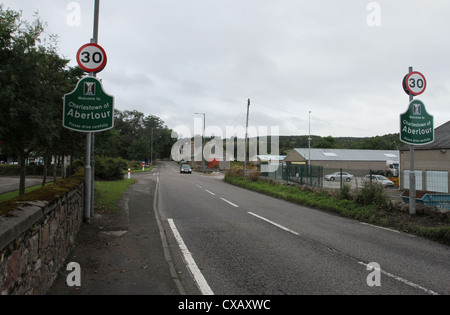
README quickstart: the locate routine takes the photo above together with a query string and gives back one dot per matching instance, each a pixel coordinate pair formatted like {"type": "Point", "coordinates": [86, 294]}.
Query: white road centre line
{"type": "Point", "coordinates": [190, 262]}
{"type": "Point", "coordinates": [209, 192]}
{"type": "Point", "coordinates": [234, 205]}
{"type": "Point", "coordinates": [274, 223]}
{"type": "Point", "coordinates": [407, 282]}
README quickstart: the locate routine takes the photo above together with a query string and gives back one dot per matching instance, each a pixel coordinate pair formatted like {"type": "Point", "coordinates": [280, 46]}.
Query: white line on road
{"type": "Point", "coordinates": [380, 227]}
{"type": "Point", "coordinates": [400, 279]}
{"type": "Point", "coordinates": [190, 262]}
{"type": "Point", "coordinates": [234, 205]}
{"type": "Point", "coordinates": [210, 192]}
{"type": "Point", "coordinates": [390, 275]}
{"type": "Point", "coordinates": [274, 223]}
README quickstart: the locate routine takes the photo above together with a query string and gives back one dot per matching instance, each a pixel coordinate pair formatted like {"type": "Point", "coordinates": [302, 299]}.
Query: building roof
{"type": "Point", "coordinates": [348, 155]}
{"type": "Point", "coordinates": [441, 139]}
{"type": "Point", "coordinates": [269, 157]}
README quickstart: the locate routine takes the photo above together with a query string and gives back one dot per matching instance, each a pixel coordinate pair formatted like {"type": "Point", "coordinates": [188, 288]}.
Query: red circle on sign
{"type": "Point", "coordinates": [417, 86]}
{"type": "Point", "coordinates": [92, 58]}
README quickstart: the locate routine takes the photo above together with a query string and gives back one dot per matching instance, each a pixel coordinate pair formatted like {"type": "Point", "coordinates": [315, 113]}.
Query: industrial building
{"type": "Point", "coordinates": [431, 163]}
{"type": "Point", "coordinates": [357, 162]}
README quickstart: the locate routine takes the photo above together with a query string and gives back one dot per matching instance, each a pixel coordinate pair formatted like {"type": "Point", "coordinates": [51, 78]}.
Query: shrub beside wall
{"type": "Point", "coordinates": [37, 236]}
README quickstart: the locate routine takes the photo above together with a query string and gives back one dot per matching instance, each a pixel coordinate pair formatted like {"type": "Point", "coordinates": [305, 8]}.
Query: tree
{"type": "Point", "coordinates": [326, 143]}
{"type": "Point", "coordinates": [32, 79]}
{"type": "Point", "coordinates": [131, 137]}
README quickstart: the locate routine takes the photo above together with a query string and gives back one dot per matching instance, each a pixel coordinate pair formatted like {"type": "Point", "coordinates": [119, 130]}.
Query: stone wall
{"type": "Point", "coordinates": [35, 242]}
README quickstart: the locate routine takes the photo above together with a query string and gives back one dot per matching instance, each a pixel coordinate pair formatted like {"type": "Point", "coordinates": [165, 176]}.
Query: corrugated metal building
{"type": "Point", "coordinates": [353, 161]}
{"type": "Point", "coordinates": [431, 162]}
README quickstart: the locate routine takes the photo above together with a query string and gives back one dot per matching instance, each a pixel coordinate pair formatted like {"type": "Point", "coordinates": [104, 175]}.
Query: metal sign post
{"type": "Point", "coordinates": [89, 163]}
{"type": "Point", "coordinates": [416, 126]}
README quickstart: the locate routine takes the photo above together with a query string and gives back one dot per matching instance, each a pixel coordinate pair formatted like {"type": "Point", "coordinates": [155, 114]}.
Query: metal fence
{"type": "Point", "coordinates": [300, 174]}
{"type": "Point", "coordinates": [435, 183]}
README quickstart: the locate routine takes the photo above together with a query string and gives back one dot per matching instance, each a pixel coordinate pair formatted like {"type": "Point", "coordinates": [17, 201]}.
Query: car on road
{"type": "Point", "coordinates": [185, 169]}
{"type": "Point", "coordinates": [380, 179]}
{"type": "Point", "coordinates": [337, 175]}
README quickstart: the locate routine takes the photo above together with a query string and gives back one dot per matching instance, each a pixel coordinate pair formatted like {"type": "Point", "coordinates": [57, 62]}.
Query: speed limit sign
{"type": "Point", "coordinates": [91, 58]}
{"type": "Point", "coordinates": [414, 83]}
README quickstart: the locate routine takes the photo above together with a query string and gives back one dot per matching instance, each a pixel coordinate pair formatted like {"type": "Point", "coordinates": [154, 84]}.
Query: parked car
{"type": "Point", "coordinates": [185, 169]}
{"type": "Point", "coordinates": [337, 175]}
{"type": "Point", "coordinates": [380, 179]}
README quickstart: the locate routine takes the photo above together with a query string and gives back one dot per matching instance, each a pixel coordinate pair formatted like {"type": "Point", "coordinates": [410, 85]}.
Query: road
{"type": "Point", "coordinates": [11, 183]}
{"type": "Point", "coordinates": [226, 240]}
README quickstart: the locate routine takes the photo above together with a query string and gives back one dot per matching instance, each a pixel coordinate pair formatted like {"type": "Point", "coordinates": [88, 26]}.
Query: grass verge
{"type": "Point", "coordinates": [108, 194]}
{"type": "Point", "coordinates": [434, 227]}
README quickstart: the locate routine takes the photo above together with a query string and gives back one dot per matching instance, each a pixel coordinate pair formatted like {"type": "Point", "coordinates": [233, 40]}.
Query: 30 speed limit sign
{"type": "Point", "coordinates": [414, 83]}
{"type": "Point", "coordinates": [91, 58]}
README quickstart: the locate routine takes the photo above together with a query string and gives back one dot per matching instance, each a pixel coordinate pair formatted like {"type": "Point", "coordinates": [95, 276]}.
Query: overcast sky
{"type": "Point", "coordinates": [343, 60]}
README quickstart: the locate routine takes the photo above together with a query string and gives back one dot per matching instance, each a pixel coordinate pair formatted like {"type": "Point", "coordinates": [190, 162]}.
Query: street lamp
{"type": "Point", "coordinates": [203, 139]}
{"type": "Point", "coordinates": [309, 144]}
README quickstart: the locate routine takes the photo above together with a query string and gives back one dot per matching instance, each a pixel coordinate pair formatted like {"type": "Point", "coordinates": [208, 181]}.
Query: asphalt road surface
{"type": "Point", "coordinates": [227, 240]}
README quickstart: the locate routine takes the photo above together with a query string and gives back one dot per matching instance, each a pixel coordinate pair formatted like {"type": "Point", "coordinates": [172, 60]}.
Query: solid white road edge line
{"type": "Point", "coordinates": [164, 242]}
{"type": "Point", "coordinates": [190, 262]}
{"type": "Point", "coordinates": [274, 223]}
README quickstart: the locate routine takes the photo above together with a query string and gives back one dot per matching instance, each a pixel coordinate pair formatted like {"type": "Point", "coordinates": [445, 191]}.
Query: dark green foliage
{"type": "Point", "coordinates": [108, 168]}
{"type": "Point", "coordinates": [373, 193]}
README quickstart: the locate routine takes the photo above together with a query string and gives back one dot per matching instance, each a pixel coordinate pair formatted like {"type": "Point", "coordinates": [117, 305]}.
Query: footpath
{"type": "Point", "coordinates": [122, 253]}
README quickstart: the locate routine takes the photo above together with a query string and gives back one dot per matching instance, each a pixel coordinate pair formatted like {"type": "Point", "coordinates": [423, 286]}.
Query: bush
{"type": "Point", "coordinates": [345, 193]}
{"type": "Point", "coordinates": [253, 176]}
{"type": "Point", "coordinates": [373, 193]}
{"type": "Point", "coordinates": [234, 173]}
{"type": "Point", "coordinates": [108, 168]}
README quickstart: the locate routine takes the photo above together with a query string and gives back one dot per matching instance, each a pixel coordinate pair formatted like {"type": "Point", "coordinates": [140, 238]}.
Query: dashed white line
{"type": "Point", "coordinates": [234, 205]}
{"type": "Point", "coordinates": [402, 280]}
{"type": "Point", "coordinates": [274, 223]}
{"type": "Point", "coordinates": [190, 262]}
{"type": "Point", "coordinates": [209, 192]}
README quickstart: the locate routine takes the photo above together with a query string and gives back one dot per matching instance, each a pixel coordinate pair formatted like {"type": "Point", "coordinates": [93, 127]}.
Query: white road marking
{"type": "Point", "coordinates": [210, 192]}
{"type": "Point", "coordinates": [380, 227]}
{"type": "Point", "coordinates": [274, 223]}
{"type": "Point", "coordinates": [390, 275]}
{"type": "Point", "coordinates": [402, 280]}
{"type": "Point", "coordinates": [234, 205]}
{"type": "Point", "coordinates": [190, 262]}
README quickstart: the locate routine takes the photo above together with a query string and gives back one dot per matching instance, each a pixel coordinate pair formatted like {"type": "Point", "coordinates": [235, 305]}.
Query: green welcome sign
{"type": "Point", "coordinates": [416, 125]}
{"type": "Point", "coordinates": [88, 108]}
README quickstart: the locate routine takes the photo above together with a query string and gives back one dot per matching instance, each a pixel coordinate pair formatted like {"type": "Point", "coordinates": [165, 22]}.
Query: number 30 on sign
{"type": "Point", "coordinates": [91, 58]}
{"type": "Point", "coordinates": [414, 83]}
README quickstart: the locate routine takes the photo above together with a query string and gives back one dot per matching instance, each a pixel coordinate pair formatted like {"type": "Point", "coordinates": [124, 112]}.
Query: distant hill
{"type": "Point", "coordinates": [288, 143]}
{"type": "Point", "coordinates": [386, 142]}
